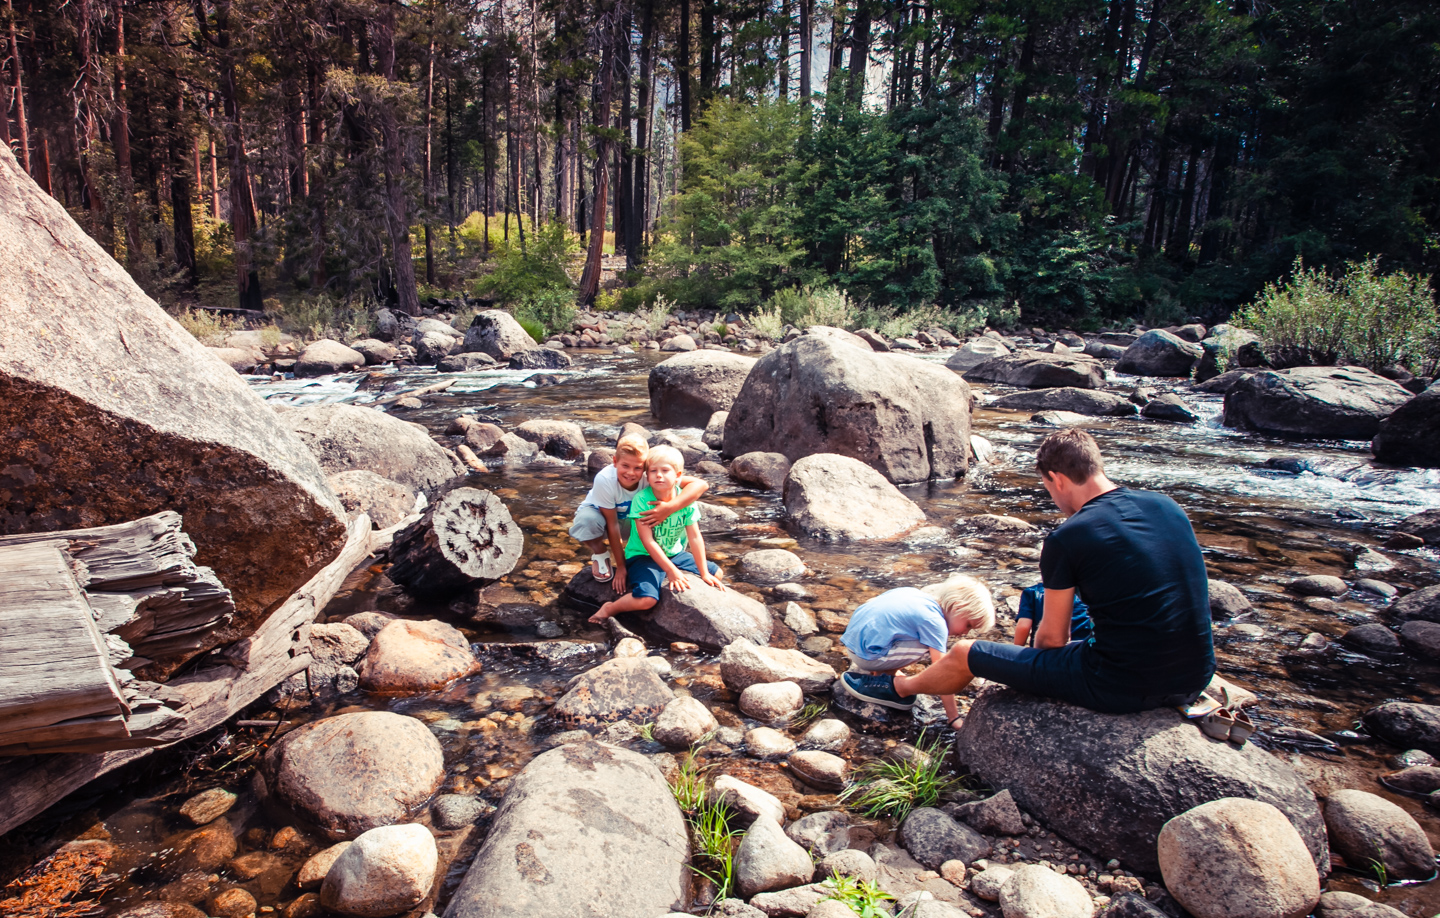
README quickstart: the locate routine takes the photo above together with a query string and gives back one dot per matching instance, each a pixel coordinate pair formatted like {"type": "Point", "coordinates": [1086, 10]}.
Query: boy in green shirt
{"type": "Point", "coordinates": [657, 555]}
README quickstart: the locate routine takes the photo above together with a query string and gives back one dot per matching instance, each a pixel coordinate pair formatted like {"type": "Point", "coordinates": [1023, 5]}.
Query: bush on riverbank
{"type": "Point", "coordinates": [1361, 318]}
{"type": "Point", "coordinates": [532, 280]}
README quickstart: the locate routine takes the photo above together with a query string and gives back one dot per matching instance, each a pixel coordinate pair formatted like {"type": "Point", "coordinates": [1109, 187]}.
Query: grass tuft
{"type": "Point", "coordinates": [894, 789]}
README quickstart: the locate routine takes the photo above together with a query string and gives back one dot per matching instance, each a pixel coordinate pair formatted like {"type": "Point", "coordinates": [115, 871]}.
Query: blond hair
{"type": "Point", "coordinates": [669, 455]}
{"type": "Point", "coordinates": [632, 445]}
{"type": "Point", "coordinates": [965, 596]}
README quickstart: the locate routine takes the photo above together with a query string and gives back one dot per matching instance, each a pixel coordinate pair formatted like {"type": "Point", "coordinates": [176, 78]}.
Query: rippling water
{"type": "Point", "coordinates": [1259, 528]}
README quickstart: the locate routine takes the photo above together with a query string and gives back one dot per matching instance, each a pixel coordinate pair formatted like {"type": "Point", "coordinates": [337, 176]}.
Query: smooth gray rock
{"type": "Point", "coordinates": [684, 722]}
{"type": "Point", "coordinates": [821, 769]}
{"type": "Point", "coordinates": [995, 815]}
{"type": "Point", "coordinates": [353, 772]}
{"type": "Point", "coordinates": [746, 801]}
{"type": "Point", "coordinates": [1034, 891]}
{"type": "Point", "coordinates": [837, 498]}
{"type": "Point", "coordinates": [1348, 905]}
{"type": "Point", "coordinates": [1346, 403]}
{"type": "Point", "coordinates": [743, 664]}
{"type": "Point", "coordinates": [772, 702]}
{"type": "Point", "coordinates": [324, 357]}
{"type": "Point", "coordinates": [1069, 398]}
{"type": "Point", "coordinates": [975, 352]}
{"type": "Point", "coordinates": [851, 862]}
{"type": "Point", "coordinates": [585, 829]}
{"type": "Point", "coordinates": [688, 389]}
{"type": "Point", "coordinates": [1159, 353]}
{"type": "Point", "coordinates": [1421, 605]}
{"type": "Point", "coordinates": [456, 811]}
{"type": "Point", "coordinates": [763, 470]}
{"type": "Point", "coordinates": [1320, 585]}
{"type": "Point", "coordinates": [908, 418]}
{"type": "Point", "coordinates": [828, 735]}
{"type": "Point", "coordinates": [1226, 600]}
{"type": "Point", "coordinates": [767, 860]}
{"type": "Point", "coordinates": [1373, 638]}
{"type": "Point", "coordinates": [822, 834]}
{"type": "Point", "coordinates": [346, 437]}
{"type": "Point", "coordinates": [386, 871]}
{"type": "Point", "coordinates": [791, 903]}
{"type": "Point", "coordinates": [625, 688]}
{"type": "Point", "coordinates": [1421, 638]}
{"type": "Point", "coordinates": [495, 332]}
{"type": "Point", "coordinates": [932, 838]}
{"type": "Point", "coordinates": [459, 363]}
{"type": "Point", "coordinates": [1108, 782]}
{"type": "Point", "coordinates": [1425, 524]}
{"type": "Point", "coordinates": [1365, 827]}
{"type": "Point", "coordinates": [539, 358]}
{"type": "Point", "coordinates": [561, 439]}
{"type": "Point", "coordinates": [1032, 370]}
{"type": "Point", "coordinates": [361, 491]}
{"type": "Point", "coordinates": [701, 615]}
{"type": "Point", "coordinates": [1411, 435]}
{"type": "Point", "coordinates": [1167, 406]}
{"type": "Point", "coordinates": [771, 565]}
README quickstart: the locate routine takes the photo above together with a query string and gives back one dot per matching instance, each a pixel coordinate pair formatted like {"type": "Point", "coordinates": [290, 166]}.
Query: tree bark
{"type": "Point", "coordinates": [859, 53]}
{"type": "Point", "coordinates": [429, 184]}
{"type": "Point", "coordinates": [639, 197]}
{"type": "Point", "coordinates": [590, 278]}
{"type": "Point", "coordinates": [181, 146]}
{"type": "Point", "coordinates": [22, 125]}
{"type": "Point", "coordinates": [242, 200]}
{"type": "Point", "coordinates": [682, 66]}
{"type": "Point", "coordinates": [805, 39]}
{"type": "Point", "coordinates": [464, 537]}
{"type": "Point", "coordinates": [85, 129]}
{"type": "Point", "coordinates": [397, 211]}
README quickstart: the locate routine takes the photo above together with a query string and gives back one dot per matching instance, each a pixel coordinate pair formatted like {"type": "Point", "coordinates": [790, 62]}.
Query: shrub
{"type": "Point", "coordinates": [1360, 317]}
{"type": "Point", "coordinates": [209, 328]}
{"type": "Point", "coordinates": [806, 306]}
{"type": "Point", "coordinates": [768, 323]}
{"type": "Point", "coordinates": [533, 281]}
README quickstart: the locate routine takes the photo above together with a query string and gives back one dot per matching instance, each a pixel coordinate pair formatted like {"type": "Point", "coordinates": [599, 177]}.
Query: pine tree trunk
{"type": "Point", "coordinates": [22, 125]}
{"type": "Point", "coordinates": [397, 211]}
{"type": "Point", "coordinates": [590, 279]}
{"type": "Point", "coordinates": [805, 40]}
{"type": "Point", "coordinates": [242, 199]}
{"type": "Point", "coordinates": [682, 66]}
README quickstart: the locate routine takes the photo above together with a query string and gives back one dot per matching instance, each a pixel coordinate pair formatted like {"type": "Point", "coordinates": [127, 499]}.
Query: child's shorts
{"type": "Point", "coordinates": [590, 524]}
{"type": "Point", "coordinates": [646, 577]}
{"type": "Point", "coordinates": [900, 655]}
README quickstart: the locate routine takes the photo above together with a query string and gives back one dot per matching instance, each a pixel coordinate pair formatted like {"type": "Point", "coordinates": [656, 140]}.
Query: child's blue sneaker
{"type": "Point", "coordinates": [877, 688]}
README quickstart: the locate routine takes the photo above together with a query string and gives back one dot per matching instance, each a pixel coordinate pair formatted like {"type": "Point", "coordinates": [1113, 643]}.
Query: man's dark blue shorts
{"type": "Point", "coordinates": [646, 577]}
{"type": "Point", "coordinates": [1057, 673]}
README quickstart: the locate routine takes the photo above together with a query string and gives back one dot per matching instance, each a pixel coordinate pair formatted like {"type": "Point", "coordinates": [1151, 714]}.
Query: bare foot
{"type": "Point", "coordinates": [604, 613]}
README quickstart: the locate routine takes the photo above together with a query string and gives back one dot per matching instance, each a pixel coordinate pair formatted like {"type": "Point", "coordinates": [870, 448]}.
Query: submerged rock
{"type": "Point", "coordinates": [353, 772]}
{"type": "Point", "coordinates": [907, 418]}
{"type": "Point", "coordinates": [585, 829]}
{"type": "Point", "coordinates": [1108, 782]}
{"type": "Point", "coordinates": [1346, 403]}
{"type": "Point", "coordinates": [1235, 856]}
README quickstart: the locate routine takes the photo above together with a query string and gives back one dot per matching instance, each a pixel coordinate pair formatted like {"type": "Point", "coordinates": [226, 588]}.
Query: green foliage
{"type": "Point", "coordinates": [657, 315]}
{"type": "Point", "coordinates": [812, 712]}
{"type": "Point", "coordinates": [1360, 317]}
{"type": "Point", "coordinates": [728, 241]}
{"type": "Point", "coordinates": [209, 328]}
{"type": "Point", "coordinates": [805, 306]}
{"type": "Point", "coordinates": [895, 788]}
{"type": "Point", "coordinates": [688, 785]}
{"type": "Point", "coordinates": [863, 897]}
{"type": "Point", "coordinates": [310, 318]}
{"type": "Point", "coordinates": [768, 323]}
{"type": "Point", "coordinates": [533, 281]}
{"type": "Point", "coordinates": [712, 840]}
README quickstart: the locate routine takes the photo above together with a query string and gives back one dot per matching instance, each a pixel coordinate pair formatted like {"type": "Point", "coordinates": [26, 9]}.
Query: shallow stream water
{"type": "Point", "coordinates": [1260, 528]}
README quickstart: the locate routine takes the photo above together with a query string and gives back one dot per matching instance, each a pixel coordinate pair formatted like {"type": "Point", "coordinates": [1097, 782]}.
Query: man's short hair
{"type": "Point", "coordinates": [668, 455]}
{"type": "Point", "coordinates": [632, 445]}
{"type": "Point", "coordinates": [1071, 452]}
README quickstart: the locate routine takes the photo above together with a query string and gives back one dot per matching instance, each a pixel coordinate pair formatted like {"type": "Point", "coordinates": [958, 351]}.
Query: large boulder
{"type": "Point", "coordinates": [495, 332]}
{"type": "Point", "coordinates": [625, 688]}
{"type": "Point", "coordinates": [700, 615]}
{"type": "Point", "coordinates": [585, 829]}
{"type": "Point", "coordinates": [1108, 782]}
{"type": "Point", "coordinates": [1411, 435]}
{"type": "Point", "coordinates": [1237, 858]}
{"type": "Point", "coordinates": [1345, 403]}
{"type": "Point", "coordinates": [1424, 525]}
{"type": "Point", "coordinates": [240, 359]}
{"type": "Point", "coordinates": [386, 871]}
{"type": "Point", "coordinates": [688, 388]}
{"type": "Point", "coordinates": [1069, 398]}
{"type": "Point", "coordinates": [350, 773]}
{"type": "Point", "coordinates": [975, 352]}
{"type": "Point", "coordinates": [323, 357]}
{"type": "Point", "coordinates": [561, 439]}
{"type": "Point", "coordinates": [345, 437]}
{"type": "Point", "coordinates": [112, 411]}
{"type": "Point", "coordinates": [905, 417]}
{"type": "Point", "coordinates": [408, 657]}
{"type": "Point", "coordinates": [431, 345]}
{"type": "Point", "coordinates": [1159, 353]}
{"type": "Point", "coordinates": [836, 497]}
{"type": "Point", "coordinates": [1033, 370]}
{"type": "Point", "coordinates": [361, 491]}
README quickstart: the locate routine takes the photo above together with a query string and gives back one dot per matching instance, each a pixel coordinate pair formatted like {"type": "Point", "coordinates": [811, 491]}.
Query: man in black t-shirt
{"type": "Point", "coordinates": [1133, 556]}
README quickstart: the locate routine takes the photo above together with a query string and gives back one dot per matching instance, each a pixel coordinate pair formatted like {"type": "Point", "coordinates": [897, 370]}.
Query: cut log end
{"type": "Point", "coordinates": [465, 537]}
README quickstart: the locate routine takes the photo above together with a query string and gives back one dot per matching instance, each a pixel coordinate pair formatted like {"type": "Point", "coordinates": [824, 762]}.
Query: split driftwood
{"type": "Point", "coordinates": [222, 686]}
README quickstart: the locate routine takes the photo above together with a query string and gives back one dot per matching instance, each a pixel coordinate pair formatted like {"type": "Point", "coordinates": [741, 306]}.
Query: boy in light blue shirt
{"type": "Point", "coordinates": [907, 625]}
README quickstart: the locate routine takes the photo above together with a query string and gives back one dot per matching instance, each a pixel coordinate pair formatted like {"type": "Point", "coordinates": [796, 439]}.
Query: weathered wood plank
{"type": "Point", "coordinates": [30, 784]}
{"type": "Point", "coordinates": [150, 551]}
{"type": "Point", "coordinates": [54, 663]}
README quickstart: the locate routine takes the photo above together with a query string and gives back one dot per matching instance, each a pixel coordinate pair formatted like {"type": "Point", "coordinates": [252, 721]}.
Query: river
{"type": "Point", "coordinates": [1260, 528]}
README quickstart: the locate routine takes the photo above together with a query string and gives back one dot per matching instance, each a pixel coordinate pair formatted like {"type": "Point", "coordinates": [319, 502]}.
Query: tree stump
{"type": "Point", "coordinates": [465, 536]}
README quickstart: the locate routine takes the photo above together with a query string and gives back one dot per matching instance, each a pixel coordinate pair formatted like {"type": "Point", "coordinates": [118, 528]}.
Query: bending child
{"type": "Point", "coordinates": [1032, 609]}
{"type": "Point", "coordinates": [905, 626]}
{"type": "Point", "coordinates": [657, 554]}
{"type": "Point", "coordinates": [602, 519]}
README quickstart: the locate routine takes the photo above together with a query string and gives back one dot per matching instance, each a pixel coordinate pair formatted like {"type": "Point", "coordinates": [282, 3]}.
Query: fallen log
{"type": "Point", "coordinates": [212, 695]}
{"type": "Point", "coordinates": [463, 537]}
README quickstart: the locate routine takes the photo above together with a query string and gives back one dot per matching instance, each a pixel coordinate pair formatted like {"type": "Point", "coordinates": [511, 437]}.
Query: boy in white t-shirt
{"type": "Point", "coordinates": [597, 519]}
